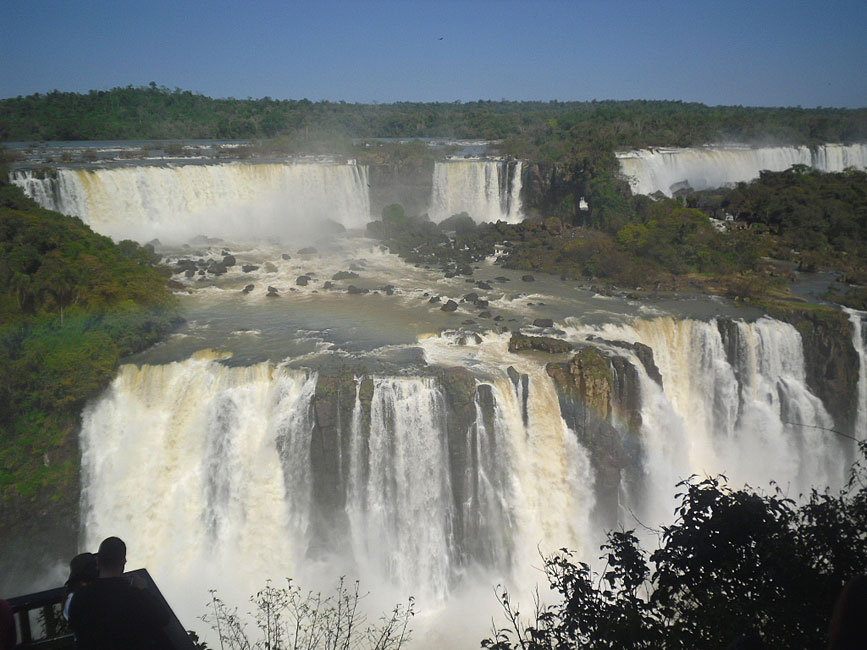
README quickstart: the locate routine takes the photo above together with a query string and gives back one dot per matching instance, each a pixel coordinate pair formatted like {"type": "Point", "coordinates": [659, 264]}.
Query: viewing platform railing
{"type": "Point", "coordinates": [40, 624]}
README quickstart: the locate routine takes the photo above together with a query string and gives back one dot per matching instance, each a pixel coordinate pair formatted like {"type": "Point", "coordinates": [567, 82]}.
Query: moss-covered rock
{"type": "Point", "coordinates": [521, 342]}
{"type": "Point", "coordinates": [586, 391]}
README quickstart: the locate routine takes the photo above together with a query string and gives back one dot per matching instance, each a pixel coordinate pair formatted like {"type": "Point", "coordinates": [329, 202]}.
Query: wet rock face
{"type": "Point", "coordinates": [332, 407]}
{"type": "Point", "coordinates": [831, 362]}
{"type": "Point", "coordinates": [645, 355]}
{"type": "Point", "coordinates": [586, 392]}
{"type": "Point", "coordinates": [521, 384]}
{"type": "Point", "coordinates": [459, 391]}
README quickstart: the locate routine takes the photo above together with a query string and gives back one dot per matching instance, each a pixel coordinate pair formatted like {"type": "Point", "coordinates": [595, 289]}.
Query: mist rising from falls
{"type": "Point", "coordinates": [661, 170]}
{"type": "Point", "coordinates": [238, 200]}
{"type": "Point", "coordinates": [487, 190]}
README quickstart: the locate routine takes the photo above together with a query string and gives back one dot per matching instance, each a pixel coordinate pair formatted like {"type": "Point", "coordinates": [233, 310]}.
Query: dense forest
{"type": "Point", "coordinates": [538, 130]}
{"type": "Point", "coordinates": [737, 569]}
{"type": "Point", "coordinates": [72, 303]}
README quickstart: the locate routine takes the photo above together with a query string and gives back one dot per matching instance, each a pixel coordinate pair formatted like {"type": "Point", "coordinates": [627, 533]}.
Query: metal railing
{"type": "Point", "coordinates": [40, 623]}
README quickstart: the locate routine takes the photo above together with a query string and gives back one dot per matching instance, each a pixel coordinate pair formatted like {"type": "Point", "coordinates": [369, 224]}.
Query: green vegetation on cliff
{"type": "Point", "coordinates": [72, 303]}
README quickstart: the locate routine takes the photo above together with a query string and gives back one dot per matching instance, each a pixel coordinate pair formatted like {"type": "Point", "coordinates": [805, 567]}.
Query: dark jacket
{"type": "Point", "coordinates": [111, 614]}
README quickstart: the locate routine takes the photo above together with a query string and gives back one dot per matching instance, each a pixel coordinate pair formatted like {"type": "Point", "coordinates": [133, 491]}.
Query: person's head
{"type": "Point", "coordinates": [111, 557]}
{"type": "Point", "coordinates": [82, 569]}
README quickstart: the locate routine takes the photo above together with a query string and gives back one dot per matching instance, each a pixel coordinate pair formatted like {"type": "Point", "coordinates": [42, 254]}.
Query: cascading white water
{"type": "Point", "coordinates": [237, 200]}
{"type": "Point", "coordinates": [745, 412]}
{"type": "Point", "coordinates": [196, 464]}
{"type": "Point", "coordinates": [402, 515]}
{"type": "Point", "coordinates": [660, 170]}
{"type": "Point", "coordinates": [858, 342]}
{"type": "Point", "coordinates": [487, 190]}
{"type": "Point", "coordinates": [181, 461]}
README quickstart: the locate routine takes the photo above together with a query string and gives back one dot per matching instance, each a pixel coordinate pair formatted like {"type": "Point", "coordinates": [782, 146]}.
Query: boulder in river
{"type": "Point", "coordinates": [520, 342]}
{"type": "Point", "coordinates": [451, 305]}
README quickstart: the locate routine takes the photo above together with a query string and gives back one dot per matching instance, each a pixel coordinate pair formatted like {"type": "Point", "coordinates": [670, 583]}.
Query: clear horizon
{"type": "Point", "coordinates": [769, 53]}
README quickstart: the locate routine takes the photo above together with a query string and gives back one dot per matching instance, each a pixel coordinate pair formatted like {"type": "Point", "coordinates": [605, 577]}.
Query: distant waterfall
{"type": "Point", "coordinates": [664, 170]}
{"type": "Point", "coordinates": [487, 190]}
{"type": "Point", "coordinates": [230, 200]}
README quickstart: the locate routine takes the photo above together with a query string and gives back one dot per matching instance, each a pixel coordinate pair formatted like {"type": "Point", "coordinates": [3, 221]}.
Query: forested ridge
{"type": "Point", "coordinates": [543, 128]}
{"type": "Point", "coordinates": [72, 303]}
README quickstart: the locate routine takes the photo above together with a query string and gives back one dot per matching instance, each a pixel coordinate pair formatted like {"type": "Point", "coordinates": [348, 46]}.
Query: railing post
{"type": "Point", "coordinates": [24, 626]}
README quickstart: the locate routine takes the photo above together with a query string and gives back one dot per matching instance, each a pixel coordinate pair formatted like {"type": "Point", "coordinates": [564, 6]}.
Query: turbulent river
{"type": "Point", "coordinates": [318, 433]}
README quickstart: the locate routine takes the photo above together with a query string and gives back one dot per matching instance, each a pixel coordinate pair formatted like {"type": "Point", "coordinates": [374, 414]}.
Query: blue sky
{"type": "Point", "coordinates": [759, 53]}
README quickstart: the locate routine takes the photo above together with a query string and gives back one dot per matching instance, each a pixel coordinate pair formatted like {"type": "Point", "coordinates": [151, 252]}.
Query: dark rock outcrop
{"type": "Point", "coordinates": [521, 384]}
{"type": "Point", "coordinates": [585, 387]}
{"type": "Point", "coordinates": [451, 305]}
{"type": "Point", "coordinates": [332, 407]}
{"type": "Point", "coordinates": [520, 342]}
{"type": "Point", "coordinates": [217, 268]}
{"type": "Point", "coordinates": [302, 280]}
{"type": "Point", "coordinates": [344, 275]}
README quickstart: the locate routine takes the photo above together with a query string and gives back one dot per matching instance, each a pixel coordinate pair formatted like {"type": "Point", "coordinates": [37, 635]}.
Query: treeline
{"type": "Point", "coordinates": [72, 303]}
{"type": "Point", "coordinates": [810, 210]}
{"type": "Point", "coordinates": [542, 130]}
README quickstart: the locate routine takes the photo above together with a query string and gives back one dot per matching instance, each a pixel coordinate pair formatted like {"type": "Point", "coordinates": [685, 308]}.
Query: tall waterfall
{"type": "Point", "coordinates": [487, 190]}
{"type": "Point", "coordinates": [662, 170]}
{"type": "Point", "coordinates": [859, 342]}
{"type": "Point", "coordinates": [208, 472]}
{"type": "Point", "coordinates": [222, 476]}
{"type": "Point", "coordinates": [229, 200]}
{"type": "Point", "coordinates": [733, 400]}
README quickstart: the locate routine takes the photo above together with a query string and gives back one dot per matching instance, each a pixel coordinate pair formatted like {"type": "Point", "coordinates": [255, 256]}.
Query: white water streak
{"type": "Point", "coordinates": [858, 334]}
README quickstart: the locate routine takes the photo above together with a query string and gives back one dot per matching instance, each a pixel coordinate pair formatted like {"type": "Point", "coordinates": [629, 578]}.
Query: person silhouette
{"type": "Point", "coordinates": [111, 612]}
{"type": "Point", "coordinates": [82, 571]}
